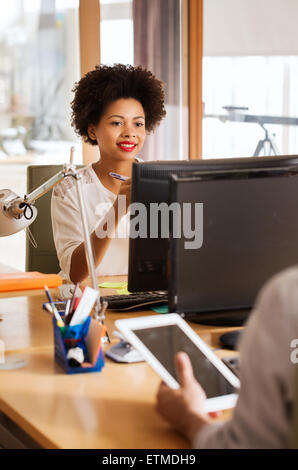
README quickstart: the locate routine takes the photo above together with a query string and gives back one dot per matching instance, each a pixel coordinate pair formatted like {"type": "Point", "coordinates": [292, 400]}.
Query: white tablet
{"type": "Point", "coordinates": [158, 338]}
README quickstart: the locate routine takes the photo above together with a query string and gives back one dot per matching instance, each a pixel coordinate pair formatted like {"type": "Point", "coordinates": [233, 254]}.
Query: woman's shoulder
{"type": "Point", "coordinates": [67, 185]}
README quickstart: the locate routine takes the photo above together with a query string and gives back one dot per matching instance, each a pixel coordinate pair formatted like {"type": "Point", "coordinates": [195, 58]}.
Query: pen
{"type": "Point", "coordinates": [60, 322]}
{"type": "Point", "coordinates": [67, 308]}
{"type": "Point", "coordinates": [71, 313]}
{"type": "Point", "coordinates": [73, 297]}
{"type": "Point", "coordinates": [118, 177]}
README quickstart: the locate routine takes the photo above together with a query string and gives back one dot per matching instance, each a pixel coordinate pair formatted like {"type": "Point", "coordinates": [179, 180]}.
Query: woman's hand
{"type": "Point", "coordinates": [124, 191]}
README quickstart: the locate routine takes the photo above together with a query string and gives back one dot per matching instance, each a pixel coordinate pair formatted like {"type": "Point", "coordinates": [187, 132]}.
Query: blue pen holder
{"type": "Point", "coordinates": [80, 333]}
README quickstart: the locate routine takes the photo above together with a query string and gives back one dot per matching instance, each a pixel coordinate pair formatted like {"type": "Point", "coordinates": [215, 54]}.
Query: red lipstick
{"type": "Point", "coordinates": [126, 145]}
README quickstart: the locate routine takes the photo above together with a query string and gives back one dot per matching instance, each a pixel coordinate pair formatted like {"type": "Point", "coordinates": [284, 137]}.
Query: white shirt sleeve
{"type": "Point", "coordinates": [262, 416]}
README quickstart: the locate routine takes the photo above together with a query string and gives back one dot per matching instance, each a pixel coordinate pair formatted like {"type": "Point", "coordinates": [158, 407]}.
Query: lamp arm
{"type": "Point", "coordinates": [70, 170]}
{"type": "Point", "coordinates": [16, 206]}
{"type": "Point", "coordinates": [99, 311]}
{"type": "Point", "coordinates": [45, 187]}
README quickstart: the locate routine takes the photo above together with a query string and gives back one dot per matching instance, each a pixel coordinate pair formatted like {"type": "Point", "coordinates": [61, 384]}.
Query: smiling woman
{"type": "Point", "coordinates": [121, 130]}
{"type": "Point", "coordinates": [114, 107]}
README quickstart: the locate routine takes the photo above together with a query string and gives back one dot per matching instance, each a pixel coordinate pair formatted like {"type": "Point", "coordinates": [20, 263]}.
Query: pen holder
{"type": "Point", "coordinates": [88, 335]}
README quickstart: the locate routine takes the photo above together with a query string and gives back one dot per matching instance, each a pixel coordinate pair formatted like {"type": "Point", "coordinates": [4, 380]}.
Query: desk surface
{"type": "Point", "coordinates": [110, 409]}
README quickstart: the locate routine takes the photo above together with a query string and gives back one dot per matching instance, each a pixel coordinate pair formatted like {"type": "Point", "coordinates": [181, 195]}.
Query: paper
{"type": "Point", "coordinates": [123, 292]}
{"type": "Point", "coordinates": [113, 285]}
{"type": "Point", "coordinates": [85, 306]}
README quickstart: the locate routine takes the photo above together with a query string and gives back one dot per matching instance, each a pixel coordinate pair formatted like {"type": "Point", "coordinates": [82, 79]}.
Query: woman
{"type": "Point", "coordinates": [113, 107]}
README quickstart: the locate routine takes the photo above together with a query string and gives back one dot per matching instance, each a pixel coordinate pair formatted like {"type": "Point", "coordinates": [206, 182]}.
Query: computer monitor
{"type": "Point", "coordinates": [148, 257]}
{"type": "Point", "coordinates": [250, 233]}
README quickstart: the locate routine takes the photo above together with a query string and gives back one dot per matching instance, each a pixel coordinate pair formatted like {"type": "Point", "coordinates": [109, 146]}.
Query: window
{"type": "Point", "coordinates": [116, 32]}
{"type": "Point", "coordinates": [250, 62]}
{"type": "Point", "coordinates": [39, 63]}
{"type": "Point", "coordinates": [149, 33]}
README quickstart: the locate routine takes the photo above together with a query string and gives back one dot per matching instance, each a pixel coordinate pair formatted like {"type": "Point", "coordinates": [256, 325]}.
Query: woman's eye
{"type": "Point", "coordinates": [139, 124]}
{"type": "Point", "coordinates": [116, 123]}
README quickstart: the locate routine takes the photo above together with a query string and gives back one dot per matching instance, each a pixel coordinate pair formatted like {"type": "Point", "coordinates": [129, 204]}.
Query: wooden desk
{"type": "Point", "coordinates": [110, 409]}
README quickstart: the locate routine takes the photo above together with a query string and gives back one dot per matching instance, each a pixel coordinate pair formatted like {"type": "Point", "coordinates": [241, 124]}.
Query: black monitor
{"type": "Point", "coordinates": [249, 233]}
{"type": "Point", "coordinates": [148, 256]}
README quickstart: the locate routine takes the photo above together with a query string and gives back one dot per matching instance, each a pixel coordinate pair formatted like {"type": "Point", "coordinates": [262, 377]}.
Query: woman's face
{"type": "Point", "coordinates": [120, 133]}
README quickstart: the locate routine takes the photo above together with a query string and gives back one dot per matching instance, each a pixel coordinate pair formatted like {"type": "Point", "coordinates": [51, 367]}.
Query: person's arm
{"type": "Point", "coordinates": [262, 417]}
{"type": "Point", "coordinates": [100, 244]}
{"type": "Point", "coordinates": [183, 408]}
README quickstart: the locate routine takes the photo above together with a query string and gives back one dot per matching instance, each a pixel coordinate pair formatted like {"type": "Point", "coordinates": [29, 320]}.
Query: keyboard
{"type": "Point", "coordinates": [135, 301]}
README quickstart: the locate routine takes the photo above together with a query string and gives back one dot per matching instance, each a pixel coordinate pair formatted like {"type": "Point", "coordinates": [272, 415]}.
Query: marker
{"type": "Point", "coordinates": [118, 177]}
{"type": "Point", "coordinates": [70, 311]}
{"type": "Point", "coordinates": [60, 322]}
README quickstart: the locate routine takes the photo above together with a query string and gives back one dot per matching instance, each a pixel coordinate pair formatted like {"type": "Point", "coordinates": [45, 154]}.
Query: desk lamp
{"type": "Point", "coordinates": [17, 213]}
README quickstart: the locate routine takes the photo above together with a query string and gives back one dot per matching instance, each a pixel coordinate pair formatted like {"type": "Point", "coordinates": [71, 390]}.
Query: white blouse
{"type": "Point", "coordinates": [67, 225]}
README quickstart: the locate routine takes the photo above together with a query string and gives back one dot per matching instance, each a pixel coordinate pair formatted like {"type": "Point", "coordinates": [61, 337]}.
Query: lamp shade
{"type": "Point", "coordinates": [8, 223]}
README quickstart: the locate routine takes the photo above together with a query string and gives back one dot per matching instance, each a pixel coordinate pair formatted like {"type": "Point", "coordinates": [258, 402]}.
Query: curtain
{"type": "Point", "coordinates": [157, 46]}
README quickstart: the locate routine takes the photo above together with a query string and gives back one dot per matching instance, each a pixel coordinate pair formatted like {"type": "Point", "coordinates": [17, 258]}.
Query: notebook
{"type": "Point", "coordinates": [28, 280]}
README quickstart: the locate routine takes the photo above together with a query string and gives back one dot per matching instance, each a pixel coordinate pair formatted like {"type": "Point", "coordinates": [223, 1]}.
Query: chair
{"type": "Point", "coordinates": [294, 434]}
{"type": "Point", "coordinates": [44, 257]}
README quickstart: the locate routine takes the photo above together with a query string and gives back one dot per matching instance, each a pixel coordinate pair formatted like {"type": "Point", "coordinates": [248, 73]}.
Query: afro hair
{"type": "Point", "coordinates": [106, 84]}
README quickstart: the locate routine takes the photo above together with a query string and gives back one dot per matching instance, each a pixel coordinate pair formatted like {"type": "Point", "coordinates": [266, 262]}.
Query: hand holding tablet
{"type": "Point", "coordinates": [158, 338]}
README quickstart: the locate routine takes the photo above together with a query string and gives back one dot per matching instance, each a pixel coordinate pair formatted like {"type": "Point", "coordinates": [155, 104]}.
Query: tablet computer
{"type": "Point", "coordinates": [158, 338]}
